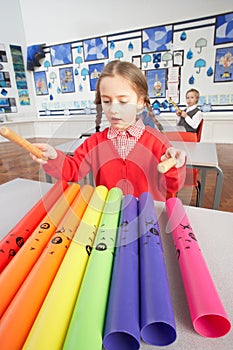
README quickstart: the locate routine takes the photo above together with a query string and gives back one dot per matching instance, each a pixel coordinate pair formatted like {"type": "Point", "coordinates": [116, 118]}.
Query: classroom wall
{"type": "Point", "coordinates": [12, 33]}
{"type": "Point", "coordinates": [57, 21]}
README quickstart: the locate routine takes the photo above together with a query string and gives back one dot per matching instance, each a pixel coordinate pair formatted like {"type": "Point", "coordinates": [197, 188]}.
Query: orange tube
{"type": "Point", "coordinates": [18, 235]}
{"type": "Point", "coordinates": [22, 311]}
{"type": "Point", "coordinates": [15, 273]}
{"type": "Point", "coordinates": [20, 141]}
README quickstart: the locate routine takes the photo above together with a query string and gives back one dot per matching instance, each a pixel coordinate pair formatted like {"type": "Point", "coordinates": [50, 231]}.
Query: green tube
{"type": "Point", "coordinates": [87, 323]}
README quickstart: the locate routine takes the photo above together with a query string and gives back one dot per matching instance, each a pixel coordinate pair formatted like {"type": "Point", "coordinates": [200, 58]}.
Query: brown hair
{"type": "Point", "coordinates": [195, 91]}
{"type": "Point", "coordinates": [135, 77]}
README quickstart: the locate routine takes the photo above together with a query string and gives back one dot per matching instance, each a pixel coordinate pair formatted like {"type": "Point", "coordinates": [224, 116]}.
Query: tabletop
{"type": "Point", "coordinates": [213, 230]}
{"type": "Point", "coordinates": [199, 153]}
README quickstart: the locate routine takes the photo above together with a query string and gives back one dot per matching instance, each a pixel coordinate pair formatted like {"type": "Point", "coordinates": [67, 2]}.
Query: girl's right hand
{"type": "Point", "coordinates": [48, 151]}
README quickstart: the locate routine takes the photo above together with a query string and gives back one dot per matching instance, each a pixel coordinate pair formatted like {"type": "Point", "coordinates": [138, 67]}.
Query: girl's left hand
{"type": "Point", "coordinates": [178, 154]}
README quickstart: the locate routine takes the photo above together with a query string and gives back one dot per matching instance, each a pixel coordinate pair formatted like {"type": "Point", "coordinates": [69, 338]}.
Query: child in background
{"type": "Point", "coordinates": [191, 117]}
{"type": "Point", "coordinates": [126, 153]}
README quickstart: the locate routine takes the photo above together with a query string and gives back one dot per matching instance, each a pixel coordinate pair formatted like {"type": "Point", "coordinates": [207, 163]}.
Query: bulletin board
{"type": "Point", "coordinates": [174, 57]}
{"type": "Point", "coordinates": [8, 99]}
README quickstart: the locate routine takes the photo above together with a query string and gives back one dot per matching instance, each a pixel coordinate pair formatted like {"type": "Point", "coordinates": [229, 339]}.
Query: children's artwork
{"type": "Point", "coordinates": [5, 80]}
{"type": "Point", "coordinates": [94, 72]}
{"type": "Point", "coordinates": [4, 102]}
{"type": "Point", "coordinates": [17, 58]}
{"type": "Point", "coordinates": [95, 49]}
{"type": "Point", "coordinates": [24, 99]}
{"type": "Point", "coordinates": [3, 57]}
{"type": "Point", "coordinates": [224, 29]}
{"type": "Point", "coordinates": [157, 39]}
{"type": "Point", "coordinates": [4, 92]}
{"type": "Point", "coordinates": [61, 54]}
{"type": "Point", "coordinates": [224, 65]}
{"type": "Point", "coordinates": [137, 60]}
{"type": "Point", "coordinates": [178, 58]}
{"type": "Point", "coordinates": [66, 79]}
{"type": "Point", "coordinates": [40, 83]}
{"type": "Point", "coordinates": [7, 105]}
{"type": "Point", "coordinates": [156, 79]}
{"type": "Point", "coordinates": [21, 82]}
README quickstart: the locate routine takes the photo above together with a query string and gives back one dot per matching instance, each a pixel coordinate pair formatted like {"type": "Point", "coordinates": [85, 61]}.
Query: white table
{"type": "Point", "coordinates": [213, 229]}
{"type": "Point", "coordinates": [17, 197]}
{"type": "Point", "coordinates": [203, 156]}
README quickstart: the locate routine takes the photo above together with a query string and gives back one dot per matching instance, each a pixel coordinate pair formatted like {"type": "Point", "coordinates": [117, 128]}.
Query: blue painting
{"type": "Point", "coordinates": [94, 73]}
{"type": "Point", "coordinates": [224, 29]}
{"type": "Point", "coordinates": [61, 54]}
{"type": "Point", "coordinates": [224, 65]}
{"type": "Point", "coordinates": [40, 83]}
{"type": "Point", "coordinates": [66, 79]}
{"type": "Point", "coordinates": [95, 49]}
{"type": "Point", "coordinates": [156, 79]}
{"type": "Point", "coordinates": [157, 39]}
{"type": "Point", "coordinates": [4, 102]}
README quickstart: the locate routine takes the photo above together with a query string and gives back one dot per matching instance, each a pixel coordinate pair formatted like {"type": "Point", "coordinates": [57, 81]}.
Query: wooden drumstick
{"type": "Point", "coordinates": [166, 165]}
{"type": "Point", "coordinates": [174, 104]}
{"type": "Point", "coordinates": [13, 136]}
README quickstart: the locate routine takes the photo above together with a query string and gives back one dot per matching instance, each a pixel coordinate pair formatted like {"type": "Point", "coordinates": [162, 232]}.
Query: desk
{"type": "Point", "coordinates": [203, 156]}
{"type": "Point", "coordinates": [18, 190]}
{"type": "Point", "coordinates": [213, 229]}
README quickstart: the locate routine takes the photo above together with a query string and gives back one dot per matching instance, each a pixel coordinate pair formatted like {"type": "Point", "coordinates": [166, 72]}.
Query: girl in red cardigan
{"type": "Point", "coordinates": [126, 153]}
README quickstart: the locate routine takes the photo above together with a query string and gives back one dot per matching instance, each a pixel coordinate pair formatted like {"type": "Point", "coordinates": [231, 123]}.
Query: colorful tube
{"type": "Point", "coordinates": [122, 329]}
{"type": "Point", "coordinates": [157, 315]}
{"type": "Point", "coordinates": [207, 312]}
{"type": "Point", "coordinates": [50, 326]}
{"type": "Point", "coordinates": [15, 239]}
{"type": "Point", "coordinates": [15, 273]}
{"type": "Point", "coordinates": [22, 311]}
{"type": "Point", "coordinates": [87, 323]}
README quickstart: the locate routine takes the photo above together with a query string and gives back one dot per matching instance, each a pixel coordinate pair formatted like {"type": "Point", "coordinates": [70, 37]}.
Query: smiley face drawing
{"type": "Point", "coordinates": [101, 246]}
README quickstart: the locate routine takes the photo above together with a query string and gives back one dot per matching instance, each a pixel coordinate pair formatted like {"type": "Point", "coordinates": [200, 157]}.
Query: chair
{"type": "Point", "coordinates": [199, 130]}
{"type": "Point", "coordinates": [191, 179]}
{"type": "Point", "coordinates": [181, 136]}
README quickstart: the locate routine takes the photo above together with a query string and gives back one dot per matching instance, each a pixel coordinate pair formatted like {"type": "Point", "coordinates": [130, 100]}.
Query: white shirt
{"type": "Point", "coordinates": [196, 119]}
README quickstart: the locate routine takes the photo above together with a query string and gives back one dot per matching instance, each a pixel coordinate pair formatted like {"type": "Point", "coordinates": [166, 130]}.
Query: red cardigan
{"type": "Point", "coordinates": [134, 175]}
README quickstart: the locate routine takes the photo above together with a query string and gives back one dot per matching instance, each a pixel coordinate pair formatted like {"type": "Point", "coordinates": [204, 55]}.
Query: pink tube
{"type": "Point", "coordinates": [207, 312]}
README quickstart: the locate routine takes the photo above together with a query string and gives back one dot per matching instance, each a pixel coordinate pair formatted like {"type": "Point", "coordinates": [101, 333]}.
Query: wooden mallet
{"type": "Point", "coordinates": [166, 165]}
{"type": "Point", "coordinates": [175, 105]}
{"type": "Point", "coordinates": [13, 136]}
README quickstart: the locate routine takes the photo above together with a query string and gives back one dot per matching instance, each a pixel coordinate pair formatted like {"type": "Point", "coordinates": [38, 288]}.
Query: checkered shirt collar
{"type": "Point", "coordinates": [134, 130]}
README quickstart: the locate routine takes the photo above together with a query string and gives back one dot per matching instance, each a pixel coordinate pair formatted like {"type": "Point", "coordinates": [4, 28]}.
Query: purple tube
{"type": "Point", "coordinates": [157, 316]}
{"type": "Point", "coordinates": [122, 329]}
